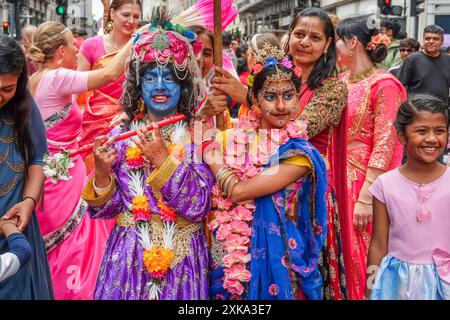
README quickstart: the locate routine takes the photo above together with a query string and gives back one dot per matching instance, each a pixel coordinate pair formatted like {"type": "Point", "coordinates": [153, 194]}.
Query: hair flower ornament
{"type": "Point", "coordinates": [378, 40]}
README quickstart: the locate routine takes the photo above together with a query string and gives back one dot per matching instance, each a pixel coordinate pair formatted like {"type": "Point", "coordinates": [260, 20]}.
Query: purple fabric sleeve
{"type": "Point", "coordinates": [188, 191]}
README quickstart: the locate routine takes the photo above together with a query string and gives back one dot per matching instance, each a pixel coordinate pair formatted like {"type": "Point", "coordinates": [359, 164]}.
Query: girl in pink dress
{"type": "Point", "coordinates": [73, 241]}
{"type": "Point", "coordinates": [409, 254]}
{"type": "Point", "coordinates": [372, 148]}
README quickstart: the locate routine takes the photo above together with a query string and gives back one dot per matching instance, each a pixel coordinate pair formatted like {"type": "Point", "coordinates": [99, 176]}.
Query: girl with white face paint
{"type": "Point", "coordinates": [265, 170]}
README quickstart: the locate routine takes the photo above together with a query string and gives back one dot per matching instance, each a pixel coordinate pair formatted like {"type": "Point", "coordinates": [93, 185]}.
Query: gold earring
{"type": "Point", "coordinates": [141, 106]}
{"type": "Point", "coordinates": [350, 55]}
{"type": "Point", "coordinates": [109, 27]}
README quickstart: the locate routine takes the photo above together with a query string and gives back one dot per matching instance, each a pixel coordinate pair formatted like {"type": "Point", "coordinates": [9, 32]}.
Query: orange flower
{"type": "Point", "coordinates": [176, 150]}
{"type": "Point", "coordinates": [140, 207]}
{"type": "Point", "coordinates": [167, 213]}
{"type": "Point", "coordinates": [157, 261]}
{"type": "Point", "coordinates": [134, 157]}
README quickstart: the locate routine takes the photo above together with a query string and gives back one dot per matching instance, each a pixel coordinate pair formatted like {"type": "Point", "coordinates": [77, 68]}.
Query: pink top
{"type": "Point", "coordinates": [407, 204]}
{"type": "Point", "coordinates": [56, 87]}
{"type": "Point", "coordinates": [93, 49]}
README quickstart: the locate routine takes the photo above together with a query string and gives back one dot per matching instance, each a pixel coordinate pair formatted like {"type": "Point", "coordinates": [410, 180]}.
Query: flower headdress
{"type": "Point", "coordinates": [167, 43]}
{"type": "Point", "coordinates": [271, 56]}
{"type": "Point", "coordinates": [378, 40]}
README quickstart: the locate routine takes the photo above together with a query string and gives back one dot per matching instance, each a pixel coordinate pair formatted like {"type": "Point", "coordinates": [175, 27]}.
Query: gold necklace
{"type": "Point", "coordinates": [113, 45]}
{"type": "Point", "coordinates": [358, 76]}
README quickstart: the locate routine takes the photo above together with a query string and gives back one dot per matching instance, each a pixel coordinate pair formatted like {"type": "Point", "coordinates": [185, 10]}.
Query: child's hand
{"type": "Point", "coordinates": [8, 226]}
{"type": "Point", "coordinates": [21, 211]}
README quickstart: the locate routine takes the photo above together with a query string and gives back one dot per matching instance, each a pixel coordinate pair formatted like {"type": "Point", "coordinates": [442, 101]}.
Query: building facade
{"type": "Point", "coordinates": [434, 12]}
{"type": "Point", "coordinates": [79, 15]}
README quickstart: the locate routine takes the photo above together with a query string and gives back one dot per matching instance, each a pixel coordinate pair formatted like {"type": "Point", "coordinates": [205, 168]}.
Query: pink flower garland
{"type": "Point", "coordinates": [233, 220]}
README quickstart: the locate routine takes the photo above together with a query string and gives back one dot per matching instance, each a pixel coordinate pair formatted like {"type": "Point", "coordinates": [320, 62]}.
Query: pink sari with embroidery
{"type": "Point", "coordinates": [371, 143]}
{"type": "Point", "coordinates": [100, 105]}
{"type": "Point", "coordinates": [75, 243]}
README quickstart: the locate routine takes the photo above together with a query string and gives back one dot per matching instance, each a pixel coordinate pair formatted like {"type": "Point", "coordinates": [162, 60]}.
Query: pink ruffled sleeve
{"type": "Point", "coordinates": [386, 99]}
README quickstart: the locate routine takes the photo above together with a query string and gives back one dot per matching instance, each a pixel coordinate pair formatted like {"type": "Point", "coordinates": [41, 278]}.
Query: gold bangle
{"type": "Point", "coordinates": [232, 187]}
{"type": "Point", "coordinates": [365, 202]}
{"type": "Point", "coordinates": [227, 183]}
{"type": "Point", "coordinates": [224, 180]}
{"type": "Point", "coordinates": [369, 180]}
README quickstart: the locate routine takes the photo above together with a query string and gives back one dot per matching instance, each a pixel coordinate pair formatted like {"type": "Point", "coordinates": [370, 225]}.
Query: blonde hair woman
{"type": "Point", "coordinates": [73, 241]}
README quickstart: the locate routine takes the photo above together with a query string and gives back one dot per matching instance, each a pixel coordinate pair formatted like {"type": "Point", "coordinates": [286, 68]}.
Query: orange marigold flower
{"type": "Point", "coordinates": [140, 208]}
{"type": "Point", "coordinates": [157, 261]}
{"type": "Point", "coordinates": [167, 213]}
{"type": "Point", "coordinates": [134, 157]}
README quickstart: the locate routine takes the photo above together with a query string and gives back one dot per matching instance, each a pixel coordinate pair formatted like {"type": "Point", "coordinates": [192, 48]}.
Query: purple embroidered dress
{"type": "Point", "coordinates": [186, 188]}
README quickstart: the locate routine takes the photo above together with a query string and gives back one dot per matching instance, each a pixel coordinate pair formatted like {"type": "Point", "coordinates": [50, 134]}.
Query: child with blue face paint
{"type": "Point", "coordinates": [158, 195]}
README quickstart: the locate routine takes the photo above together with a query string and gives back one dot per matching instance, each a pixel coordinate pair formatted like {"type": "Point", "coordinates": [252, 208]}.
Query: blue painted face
{"type": "Point", "coordinates": [160, 91]}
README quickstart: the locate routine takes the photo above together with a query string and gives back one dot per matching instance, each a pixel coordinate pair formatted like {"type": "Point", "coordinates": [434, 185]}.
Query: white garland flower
{"type": "Point", "coordinates": [57, 167]}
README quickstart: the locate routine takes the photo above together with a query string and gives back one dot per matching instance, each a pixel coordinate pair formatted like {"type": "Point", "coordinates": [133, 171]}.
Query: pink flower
{"type": "Point", "coordinates": [240, 227]}
{"type": "Point", "coordinates": [233, 286]}
{"type": "Point", "coordinates": [273, 289]}
{"type": "Point", "coordinates": [287, 63]}
{"type": "Point", "coordinates": [279, 202]}
{"type": "Point", "coordinates": [224, 204]}
{"type": "Point", "coordinates": [297, 129]}
{"type": "Point", "coordinates": [242, 213]}
{"type": "Point", "coordinates": [238, 272]}
{"type": "Point", "coordinates": [257, 68]}
{"type": "Point", "coordinates": [283, 261]}
{"type": "Point", "coordinates": [222, 217]}
{"type": "Point", "coordinates": [240, 137]}
{"type": "Point", "coordinates": [251, 171]}
{"type": "Point", "coordinates": [197, 47]}
{"type": "Point", "coordinates": [215, 190]}
{"type": "Point", "coordinates": [278, 136]}
{"type": "Point", "coordinates": [237, 241]}
{"type": "Point", "coordinates": [213, 225]}
{"type": "Point", "coordinates": [317, 229]}
{"type": "Point", "coordinates": [250, 205]}
{"type": "Point", "coordinates": [292, 243]}
{"type": "Point", "coordinates": [235, 150]}
{"type": "Point", "coordinates": [223, 231]}
{"type": "Point", "coordinates": [235, 258]}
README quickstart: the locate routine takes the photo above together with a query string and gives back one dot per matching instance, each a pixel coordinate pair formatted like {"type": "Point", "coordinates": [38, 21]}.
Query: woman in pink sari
{"type": "Point", "coordinates": [374, 97]}
{"type": "Point", "coordinates": [74, 242]}
{"type": "Point", "coordinates": [101, 106]}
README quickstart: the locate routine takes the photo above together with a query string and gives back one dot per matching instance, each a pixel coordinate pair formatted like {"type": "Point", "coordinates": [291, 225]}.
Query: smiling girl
{"type": "Point", "coordinates": [410, 247]}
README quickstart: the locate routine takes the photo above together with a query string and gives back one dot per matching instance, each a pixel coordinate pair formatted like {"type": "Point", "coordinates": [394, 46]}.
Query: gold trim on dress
{"type": "Point", "coordinates": [182, 238]}
{"type": "Point", "coordinates": [8, 187]}
{"type": "Point", "coordinates": [162, 175]}
{"type": "Point", "coordinates": [92, 198]}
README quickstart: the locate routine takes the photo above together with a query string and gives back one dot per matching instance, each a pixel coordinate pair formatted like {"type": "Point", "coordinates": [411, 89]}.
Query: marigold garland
{"type": "Point", "coordinates": [134, 157]}
{"type": "Point", "coordinates": [166, 212]}
{"type": "Point", "coordinates": [157, 261]}
{"type": "Point", "coordinates": [141, 210]}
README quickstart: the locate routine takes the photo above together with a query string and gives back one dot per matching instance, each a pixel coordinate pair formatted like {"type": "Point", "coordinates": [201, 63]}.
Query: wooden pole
{"type": "Point", "coordinates": [218, 61]}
